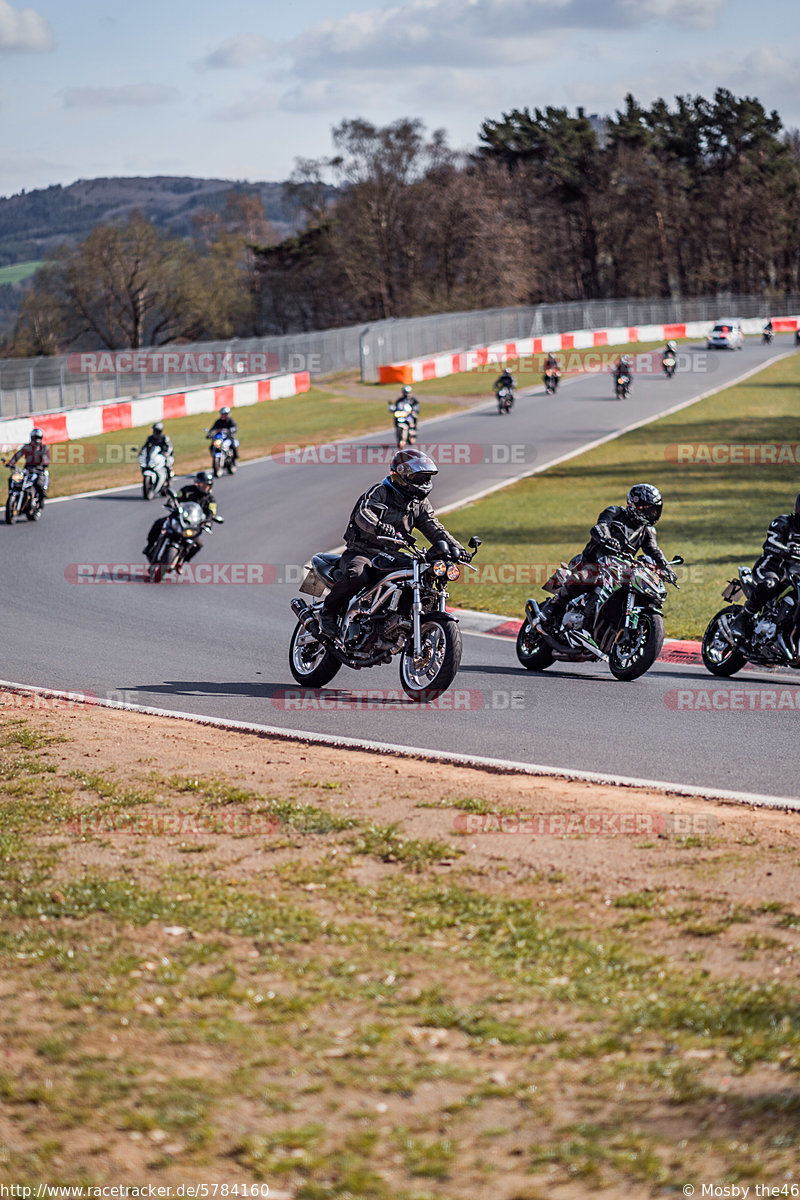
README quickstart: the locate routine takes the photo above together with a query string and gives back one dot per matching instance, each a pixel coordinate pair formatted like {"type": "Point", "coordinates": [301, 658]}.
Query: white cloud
{"type": "Point", "coordinates": [243, 50]}
{"type": "Point", "coordinates": [129, 95]}
{"type": "Point", "coordinates": [24, 29]}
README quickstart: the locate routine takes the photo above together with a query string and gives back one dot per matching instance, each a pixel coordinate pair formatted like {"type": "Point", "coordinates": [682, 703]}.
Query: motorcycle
{"type": "Point", "coordinates": [155, 471]}
{"type": "Point", "coordinates": [505, 399]}
{"type": "Point", "coordinates": [181, 529]}
{"type": "Point", "coordinates": [669, 363]}
{"type": "Point", "coordinates": [551, 380]}
{"type": "Point", "coordinates": [23, 495]}
{"type": "Point", "coordinates": [774, 637]}
{"type": "Point", "coordinates": [405, 423]}
{"type": "Point", "coordinates": [221, 449]}
{"type": "Point", "coordinates": [622, 386]}
{"type": "Point", "coordinates": [404, 612]}
{"type": "Point", "coordinates": [767, 336]}
{"type": "Point", "coordinates": [627, 628]}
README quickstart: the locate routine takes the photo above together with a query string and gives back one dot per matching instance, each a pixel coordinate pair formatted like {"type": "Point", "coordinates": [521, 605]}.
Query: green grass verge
{"type": "Point", "coordinates": [715, 515]}
{"type": "Point", "coordinates": [16, 272]}
{"type": "Point", "coordinates": [394, 1024]}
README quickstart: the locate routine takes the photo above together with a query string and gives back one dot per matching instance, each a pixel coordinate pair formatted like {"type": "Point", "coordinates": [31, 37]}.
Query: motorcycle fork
{"type": "Point", "coordinates": [631, 611]}
{"type": "Point", "coordinates": [416, 612]}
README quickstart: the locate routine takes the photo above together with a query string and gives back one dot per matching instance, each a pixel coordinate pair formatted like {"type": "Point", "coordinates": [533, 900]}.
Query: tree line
{"type": "Point", "coordinates": [688, 199]}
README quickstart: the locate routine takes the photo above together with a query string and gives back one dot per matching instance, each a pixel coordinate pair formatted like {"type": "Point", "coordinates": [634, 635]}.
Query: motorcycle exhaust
{"type": "Point", "coordinates": [533, 612]}
{"type": "Point", "coordinates": [305, 616]}
{"type": "Point", "coordinates": [588, 644]}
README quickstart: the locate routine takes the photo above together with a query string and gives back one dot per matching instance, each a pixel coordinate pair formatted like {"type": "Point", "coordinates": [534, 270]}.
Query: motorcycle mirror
{"type": "Point", "coordinates": [219, 520]}
{"type": "Point", "coordinates": [474, 542]}
{"type": "Point", "coordinates": [677, 560]}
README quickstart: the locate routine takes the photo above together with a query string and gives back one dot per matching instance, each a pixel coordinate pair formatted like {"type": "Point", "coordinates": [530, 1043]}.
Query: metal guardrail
{"type": "Point", "coordinates": [30, 385]}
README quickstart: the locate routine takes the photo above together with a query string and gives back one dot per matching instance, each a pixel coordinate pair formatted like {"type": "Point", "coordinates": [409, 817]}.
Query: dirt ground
{"type": "Point", "coordinates": [421, 1050]}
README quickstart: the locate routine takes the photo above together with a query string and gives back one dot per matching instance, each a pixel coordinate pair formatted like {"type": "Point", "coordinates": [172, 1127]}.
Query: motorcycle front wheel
{"type": "Point", "coordinates": [216, 465]}
{"type": "Point", "coordinates": [310, 661]}
{"type": "Point", "coordinates": [11, 508]}
{"type": "Point", "coordinates": [719, 656]}
{"type": "Point", "coordinates": [148, 487]}
{"type": "Point", "coordinates": [532, 650]}
{"type": "Point", "coordinates": [425, 678]}
{"type": "Point", "coordinates": [631, 660]}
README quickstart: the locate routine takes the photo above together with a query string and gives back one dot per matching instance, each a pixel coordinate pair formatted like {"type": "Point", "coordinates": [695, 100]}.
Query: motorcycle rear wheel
{"type": "Point", "coordinates": [719, 656]}
{"type": "Point", "coordinates": [532, 650]}
{"type": "Point", "coordinates": [428, 677]}
{"type": "Point", "coordinates": [310, 661]}
{"type": "Point", "coordinates": [230, 466]}
{"type": "Point", "coordinates": [650, 631]}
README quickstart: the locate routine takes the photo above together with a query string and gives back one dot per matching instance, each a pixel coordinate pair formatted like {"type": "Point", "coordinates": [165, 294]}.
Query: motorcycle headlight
{"type": "Point", "coordinates": [439, 568]}
{"type": "Point", "coordinates": [453, 571]}
{"type": "Point", "coordinates": [189, 532]}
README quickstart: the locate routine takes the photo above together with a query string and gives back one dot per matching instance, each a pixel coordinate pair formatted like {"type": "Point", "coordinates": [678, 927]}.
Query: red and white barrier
{"type": "Point", "coordinates": [451, 363]}
{"type": "Point", "coordinates": [68, 424]}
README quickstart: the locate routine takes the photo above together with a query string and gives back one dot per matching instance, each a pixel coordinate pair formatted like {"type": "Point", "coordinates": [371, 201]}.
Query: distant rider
{"type": "Point", "coordinates": [618, 531]}
{"type": "Point", "coordinates": [37, 459]}
{"type": "Point", "coordinates": [160, 440]}
{"type": "Point", "coordinates": [670, 351]}
{"type": "Point", "coordinates": [199, 491]}
{"type": "Point", "coordinates": [226, 424]}
{"type": "Point", "coordinates": [505, 380]}
{"type": "Point", "coordinates": [769, 569]}
{"type": "Point", "coordinates": [406, 397]}
{"type": "Point", "coordinates": [382, 520]}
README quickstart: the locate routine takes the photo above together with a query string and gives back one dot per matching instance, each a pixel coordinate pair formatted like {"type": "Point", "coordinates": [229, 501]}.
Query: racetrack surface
{"type": "Point", "coordinates": [220, 649]}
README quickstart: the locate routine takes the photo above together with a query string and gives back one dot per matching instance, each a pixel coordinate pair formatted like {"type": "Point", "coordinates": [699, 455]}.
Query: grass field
{"type": "Point", "coordinates": [16, 272]}
{"type": "Point", "coordinates": [715, 514]}
{"type": "Point", "coordinates": [355, 1000]}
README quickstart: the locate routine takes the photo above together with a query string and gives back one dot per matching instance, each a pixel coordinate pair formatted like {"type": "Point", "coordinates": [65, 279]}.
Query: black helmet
{"type": "Point", "coordinates": [204, 479]}
{"type": "Point", "coordinates": [36, 435]}
{"type": "Point", "coordinates": [158, 427]}
{"type": "Point", "coordinates": [407, 390]}
{"type": "Point", "coordinates": [412, 472]}
{"type": "Point", "coordinates": [645, 503]}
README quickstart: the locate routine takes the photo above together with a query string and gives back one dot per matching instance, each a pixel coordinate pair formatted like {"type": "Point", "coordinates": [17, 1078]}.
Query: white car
{"type": "Point", "coordinates": [726, 335]}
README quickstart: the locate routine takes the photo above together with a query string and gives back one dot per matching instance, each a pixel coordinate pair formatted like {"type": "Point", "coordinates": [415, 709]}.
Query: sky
{"type": "Point", "coordinates": [240, 89]}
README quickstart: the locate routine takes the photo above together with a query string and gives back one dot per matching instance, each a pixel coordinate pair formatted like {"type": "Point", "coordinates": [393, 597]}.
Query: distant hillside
{"type": "Point", "coordinates": [31, 223]}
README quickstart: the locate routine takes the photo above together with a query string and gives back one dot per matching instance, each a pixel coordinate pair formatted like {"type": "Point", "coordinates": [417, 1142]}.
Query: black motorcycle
{"type": "Point", "coordinates": [403, 612]}
{"type": "Point", "coordinates": [774, 636]}
{"type": "Point", "coordinates": [505, 399]}
{"type": "Point", "coordinates": [24, 498]}
{"type": "Point", "coordinates": [551, 380]}
{"type": "Point", "coordinates": [180, 531]}
{"type": "Point", "coordinates": [405, 423]}
{"type": "Point", "coordinates": [626, 630]}
{"type": "Point", "coordinates": [767, 336]}
{"type": "Point", "coordinates": [668, 365]}
{"type": "Point", "coordinates": [622, 386]}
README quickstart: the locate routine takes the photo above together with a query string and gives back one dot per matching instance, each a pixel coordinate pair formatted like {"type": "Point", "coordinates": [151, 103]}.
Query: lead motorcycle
{"type": "Point", "coordinates": [627, 630]}
{"type": "Point", "coordinates": [551, 379]}
{"type": "Point", "coordinates": [622, 386]}
{"type": "Point", "coordinates": [405, 423]}
{"type": "Point", "coordinates": [668, 365]}
{"type": "Point", "coordinates": [774, 637]}
{"type": "Point", "coordinates": [505, 399]}
{"type": "Point", "coordinates": [404, 612]}
{"type": "Point", "coordinates": [180, 531]}
{"type": "Point", "coordinates": [23, 495]}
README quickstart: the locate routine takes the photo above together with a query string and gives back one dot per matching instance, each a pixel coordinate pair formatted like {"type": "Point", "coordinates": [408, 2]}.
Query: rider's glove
{"type": "Point", "coordinates": [387, 531]}
{"type": "Point", "coordinates": [613, 545]}
{"type": "Point", "coordinates": [668, 573]}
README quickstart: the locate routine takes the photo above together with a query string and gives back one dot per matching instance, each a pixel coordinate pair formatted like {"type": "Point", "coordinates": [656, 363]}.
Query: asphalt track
{"type": "Point", "coordinates": [219, 648]}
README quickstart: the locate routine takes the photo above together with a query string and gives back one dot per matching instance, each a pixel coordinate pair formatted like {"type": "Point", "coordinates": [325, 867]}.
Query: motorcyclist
{"type": "Point", "coordinates": [505, 380]}
{"type": "Point", "coordinates": [406, 397]}
{"type": "Point", "coordinates": [226, 424]}
{"type": "Point", "coordinates": [382, 520]}
{"type": "Point", "coordinates": [37, 459]}
{"type": "Point", "coordinates": [551, 363]}
{"type": "Point", "coordinates": [198, 491]}
{"type": "Point", "coordinates": [618, 531]}
{"type": "Point", "coordinates": [669, 351]}
{"type": "Point", "coordinates": [623, 367]}
{"type": "Point", "coordinates": [769, 569]}
{"type": "Point", "coordinates": [161, 441]}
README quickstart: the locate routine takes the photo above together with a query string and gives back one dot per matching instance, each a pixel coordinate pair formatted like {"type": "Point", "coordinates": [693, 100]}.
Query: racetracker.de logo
{"type": "Point", "coordinates": [379, 699]}
{"type": "Point", "coordinates": [45, 701]}
{"type": "Point", "coordinates": [219, 573]}
{"type": "Point", "coordinates": [597, 824]}
{"type": "Point", "coordinates": [734, 454]}
{"type": "Point", "coordinates": [214, 363]}
{"type": "Point", "coordinates": [734, 699]}
{"type": "Point", "coordinates": [444, 454]}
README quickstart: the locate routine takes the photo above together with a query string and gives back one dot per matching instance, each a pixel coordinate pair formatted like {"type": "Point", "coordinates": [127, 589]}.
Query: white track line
{"type": "Point", "coordinates": [491, 765]}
